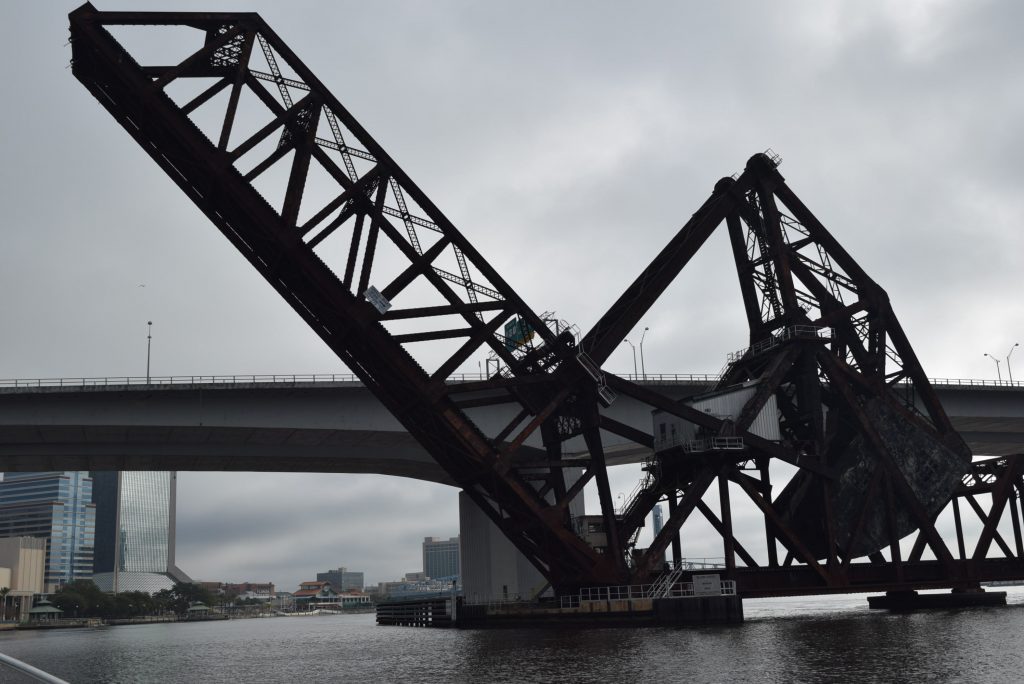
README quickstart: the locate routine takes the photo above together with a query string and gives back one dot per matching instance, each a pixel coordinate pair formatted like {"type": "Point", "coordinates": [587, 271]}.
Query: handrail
{"type": "Point", "coordinates": [296, 378]}
{"type": "Point", "coordinates": [285, 378]}
{"type": "Point", "coordinates": [26, 669]}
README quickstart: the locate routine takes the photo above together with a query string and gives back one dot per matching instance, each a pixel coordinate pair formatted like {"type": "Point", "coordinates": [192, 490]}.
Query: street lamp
{"type": "Point", "coordinates": [1008, 355]}
{"type": "Point", "coordinates": [149, 342]}
{"type": "Point", "coordinates": [634, 356]}
{"type": "Point", "coordinates": [643, 369]}
{"type": "Point", "coordinates": [997, 362]}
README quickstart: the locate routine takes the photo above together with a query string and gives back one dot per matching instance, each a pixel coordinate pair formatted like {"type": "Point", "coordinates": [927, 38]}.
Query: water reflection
{"type": "Point", "coordinates": [806, 640]}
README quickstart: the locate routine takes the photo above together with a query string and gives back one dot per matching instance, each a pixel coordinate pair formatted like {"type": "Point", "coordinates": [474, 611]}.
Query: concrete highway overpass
{"type": "Point", "coordinates": [326, 423]}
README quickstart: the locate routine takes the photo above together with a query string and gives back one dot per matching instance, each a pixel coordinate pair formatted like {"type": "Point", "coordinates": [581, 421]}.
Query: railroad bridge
{"type": "Point", "coordinates": [826, 423]}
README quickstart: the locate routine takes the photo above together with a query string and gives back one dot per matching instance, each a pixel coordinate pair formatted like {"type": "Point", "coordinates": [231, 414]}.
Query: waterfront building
{"type": "Point", "coordinates": [57, 507]}
{"type": "Point", "coordinates": [24, 559]}
{"type": "Point", "coordinates": [354, 599]}
{"type": "Point", "coordinates": [135, 531]}
{"type": "Point", "coordinates": [342, 579]}
{"type": "Point", "coordinates": [319, 594]}
{"type": "Point", "coordinates": [441, 557]}
{"type": "Point", "coordinates": [312, 593]}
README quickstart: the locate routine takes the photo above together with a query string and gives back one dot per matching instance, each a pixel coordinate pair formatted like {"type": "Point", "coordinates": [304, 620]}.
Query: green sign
{"type": "Point", "coordinates": [517, 333]}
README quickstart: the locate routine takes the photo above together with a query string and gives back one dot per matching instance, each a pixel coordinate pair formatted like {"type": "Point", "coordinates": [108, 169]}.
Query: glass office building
{"type": "Point", "coordinates": [135, 513]}
{"type": "Point", "coordinates": [55, 505]}
{"type": "Point", "coordinates": [441, 558]}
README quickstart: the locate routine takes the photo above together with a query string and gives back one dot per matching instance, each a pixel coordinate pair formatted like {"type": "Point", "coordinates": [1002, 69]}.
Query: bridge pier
{"type": "Point", "coordinates": [957, 598]}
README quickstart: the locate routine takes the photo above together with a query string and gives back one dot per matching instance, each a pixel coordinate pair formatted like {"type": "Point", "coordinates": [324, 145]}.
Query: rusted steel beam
{"type": "Point", "coordinates": [604, 492]}
{"type": "Point", "coordinates": [720, 527]}
{"type": "Point", "coordinates": [785, 533]}
{"type": "Point", "coordinates": [989, 533]}
{"type": "Point", "coordinates": [650, 559]}
{"type": "Point", "coordinates": [608, 333]}
{"type": "Point", "coordinates": [631, 433]}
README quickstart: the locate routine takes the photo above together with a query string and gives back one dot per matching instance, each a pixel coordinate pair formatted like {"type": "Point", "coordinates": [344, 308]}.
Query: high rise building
{"type": "Point", "coordinates": [441, 557]}
{"type": "Point", "coordinates": [342, 579]}
{"type": "Point", "coordinates": [135, 513]}
{"type": "Point", "coordinates": [56, 506]}
{"type": "Point", "coordinates": [659, 523]}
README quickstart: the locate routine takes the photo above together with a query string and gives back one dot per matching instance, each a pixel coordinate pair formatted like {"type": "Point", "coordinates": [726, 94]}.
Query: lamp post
{"type": "Point", "coordinates": [643, 368]}
{"type": "Point", "coordinates": [997, 362]}
{"type": "Point", "coordinates": [634, 356]}
{"type": "Point", "coordinates": [149, 342]}
{"type": "Point", "coordinates": [1008, 355]}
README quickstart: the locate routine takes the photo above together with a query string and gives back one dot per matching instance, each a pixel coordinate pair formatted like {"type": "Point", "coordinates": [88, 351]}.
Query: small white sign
{"type": "Point", "coordinates": [707, 585]}
{"type": "Point", "coordinates": [379, 301]}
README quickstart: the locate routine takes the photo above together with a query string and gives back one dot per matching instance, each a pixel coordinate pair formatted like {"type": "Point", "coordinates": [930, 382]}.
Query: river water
{"type": "Point", "coordinates": [819, 639]}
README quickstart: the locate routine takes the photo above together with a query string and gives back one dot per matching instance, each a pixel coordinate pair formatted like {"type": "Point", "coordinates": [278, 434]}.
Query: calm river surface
{"type": "Point", "coordinates": [783, 640]}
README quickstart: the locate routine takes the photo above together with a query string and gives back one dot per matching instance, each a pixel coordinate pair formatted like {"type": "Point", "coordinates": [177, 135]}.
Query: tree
{"type": "Point", "coordinates": [183, 595]}
{"type": "Point", "coordinates": [71, 602]}
{"type": "Point", "coordinates": [84, 598]}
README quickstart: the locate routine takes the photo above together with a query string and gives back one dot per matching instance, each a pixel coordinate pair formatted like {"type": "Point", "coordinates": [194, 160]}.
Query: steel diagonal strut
{"type": "Point", "coordinates": [380, 274]}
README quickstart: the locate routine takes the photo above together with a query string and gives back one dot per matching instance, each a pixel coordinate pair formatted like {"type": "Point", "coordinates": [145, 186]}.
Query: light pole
{"type": "Point", "coordinates": [643, 369]}
{"type": "Point", "coordinates": [634, 356]}
{"type": "Point", "coordinates": [997, 362]}
{"type": "Point", "coordinates": [1008, 355]}
{"type": "Point", "coordinates": [149, 343]}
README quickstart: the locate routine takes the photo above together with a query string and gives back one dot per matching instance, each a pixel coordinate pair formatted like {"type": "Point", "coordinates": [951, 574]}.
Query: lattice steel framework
{"type": "Point", "coordinates": [380, 273]}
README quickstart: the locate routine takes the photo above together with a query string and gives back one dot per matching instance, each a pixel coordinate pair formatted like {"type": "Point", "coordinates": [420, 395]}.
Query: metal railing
{"type": "Point", "coordinates": [790, 333]}
{"type": "Point", "coordinates": [640, 591]}
{"type": "Point", "coordinates": [304, 378]}
{"type": "Point", "coordinates": [695, 446]}
{"type": "Point", "coordinates": [287, 378]}
{"type": "Point", "coordinates": [29, 671]}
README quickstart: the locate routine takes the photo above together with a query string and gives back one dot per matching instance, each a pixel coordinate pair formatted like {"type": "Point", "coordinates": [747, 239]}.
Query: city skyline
{"type": "Point", "coordinates": [568, 153]}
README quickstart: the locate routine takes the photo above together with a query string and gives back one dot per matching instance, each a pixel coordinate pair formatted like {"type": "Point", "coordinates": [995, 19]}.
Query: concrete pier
{"type": "Point", "coordinates": [911, 600]}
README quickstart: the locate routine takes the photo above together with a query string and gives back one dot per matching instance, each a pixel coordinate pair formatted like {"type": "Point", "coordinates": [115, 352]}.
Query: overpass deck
{"type": "Point", "coordinates": [325, 423]}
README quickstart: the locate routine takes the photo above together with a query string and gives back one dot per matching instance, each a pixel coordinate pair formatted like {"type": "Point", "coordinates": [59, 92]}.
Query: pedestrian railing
{"type": "Point", "coordinates": [640, 591]}
{"type": "Point", "coordinates": [305, 378]}
{"type": "Point", "coordinates": [14, 665]}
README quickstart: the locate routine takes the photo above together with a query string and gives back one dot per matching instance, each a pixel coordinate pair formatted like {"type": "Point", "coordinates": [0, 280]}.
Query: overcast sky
{"type": "Point", "coordinates": [568, 141]}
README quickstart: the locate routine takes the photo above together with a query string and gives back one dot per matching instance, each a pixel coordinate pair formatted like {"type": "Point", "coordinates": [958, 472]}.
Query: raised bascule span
{"type": "Point", "coordinates": [829, 385]}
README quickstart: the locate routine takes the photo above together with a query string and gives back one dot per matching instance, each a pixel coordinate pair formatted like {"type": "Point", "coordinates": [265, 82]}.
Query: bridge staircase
{"type": "Point", "coordinates": [662, 586]}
